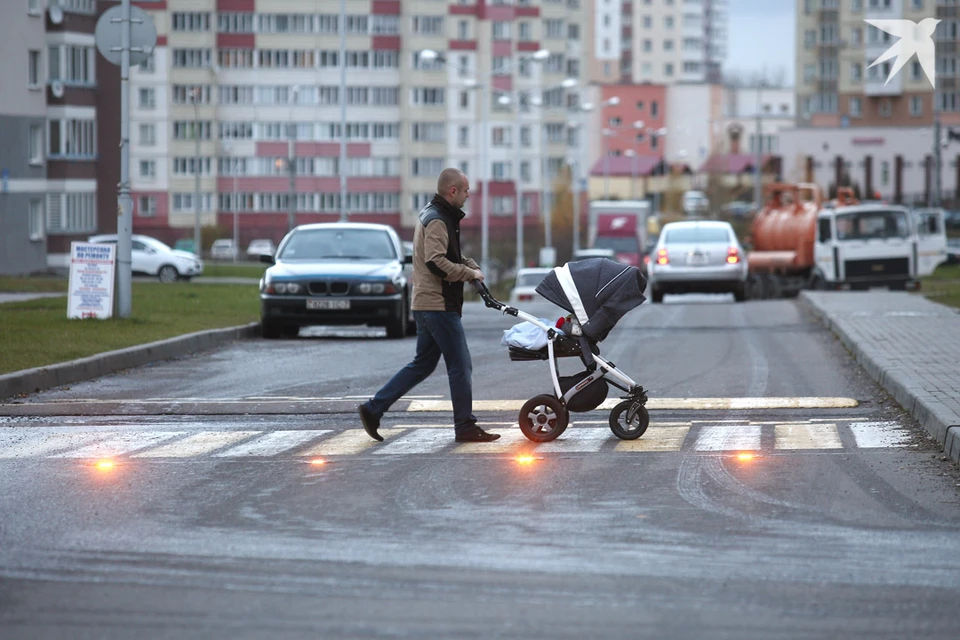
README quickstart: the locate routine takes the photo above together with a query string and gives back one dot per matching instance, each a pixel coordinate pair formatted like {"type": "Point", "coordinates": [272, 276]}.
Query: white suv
{"type": "Point", "coordinates": [149, 256]}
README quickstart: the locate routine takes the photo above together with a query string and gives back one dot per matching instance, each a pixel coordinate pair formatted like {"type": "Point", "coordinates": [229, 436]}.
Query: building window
{"type": "Point", "coordinates": [428, 132]}
{"type": "Point", "coordinates": [148, 135]}
{"type": "Point", "coordinates": [427, 25]}
{"type": "Point", "coordinates": [33, 68]}
{"type": "Point", "coordinates": [149, 65]}
{"type": "Point", "coordinates": [148, 169]}
{"type": "Point", "coordinates": [855, 108]}
{"type": "Point", "coordinates": [190, 21]}
{"type": "Point", "coordinates": [668, 69]}
{"type": "Point", "coordinates": [147, 98]}
{"type": "Point", "coordinates": [886, 108]}
{"type": "Point", "coordinates": [916, 106]}
{"type": "Point", "coordinates": [524, 34]}
{"type": "Point", "coordinates": [147, 206]}
{"type": "Point", "coordinates": [463, 137]}
{"type": "Point", "coordinates": [502, 137]}
{"type": "Point", "coordinates": [463, 30]}
{"type": "Point", "coordinates": [427, 167]}
{"type": "Point", "coordinates": [525, 173]}
{"type": "Point", "coordinates": [35, 220]}
{"type": "Point", "coordinates": [502, 171]}
{"type": "Point", "coordinates": [35, 144]}
{"type": "Point", "coordinates": [431, 96]}
{"type": "Point", "coordinates": [501, 205]}
{"type": "Point", "coordinates": [71, 212]}
{"type": "Point", "coordinates": [191, 58]}
{"type": "Point", "coordinates": [73, 139]}
{"type": "Point", "coordinates": [72, 65]}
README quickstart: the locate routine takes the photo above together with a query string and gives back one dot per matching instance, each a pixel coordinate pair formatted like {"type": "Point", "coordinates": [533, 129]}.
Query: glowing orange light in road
{"type": "Point", "coordinates": [105, 465]}
{"type": "Point", "coordinates": [317, 462]}
{"type": "Point", "coordinates": [745, 457]}
{"type": "Point", "coordinates": [525, 459]}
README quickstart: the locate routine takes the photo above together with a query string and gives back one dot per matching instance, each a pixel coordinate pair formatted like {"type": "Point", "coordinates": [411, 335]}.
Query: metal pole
{"type": "Point", "coordinates": [606, 168]}
{"type": "Point", "coordinates": [196, 178]}
{"type": "Point", "coordinates": [485, 176]}
{"type": "Point", "coordinates": [520, 257]}
{"type": "Point", "coordinates": [124, 200]}
{"type": "Point", "coordinates": [545, 180]}
{"type": "Point", "coordinates": [343, 111]}
{"type": "Point", "coordinates": [292, 170]}
{"type": "Point", "coordinates": [937, 153]}
{"type": "Point", "coordinates": [236, 219]}
{"type": "Point", "coordinates": [577, 167]}
{"type": "Point", "coordinates": [757, 174]}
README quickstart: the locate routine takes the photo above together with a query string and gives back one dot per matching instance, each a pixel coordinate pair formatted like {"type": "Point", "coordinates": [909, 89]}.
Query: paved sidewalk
{"type": "Point", "coordinates": [909, 345]}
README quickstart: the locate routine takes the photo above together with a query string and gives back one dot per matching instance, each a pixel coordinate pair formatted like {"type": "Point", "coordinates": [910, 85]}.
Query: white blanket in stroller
{"type": "Point", "coordinates": [526, 335]}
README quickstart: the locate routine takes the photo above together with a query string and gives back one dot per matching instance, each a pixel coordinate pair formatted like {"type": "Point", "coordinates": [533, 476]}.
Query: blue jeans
{"type": "Point", "coordinates": [438, 333]}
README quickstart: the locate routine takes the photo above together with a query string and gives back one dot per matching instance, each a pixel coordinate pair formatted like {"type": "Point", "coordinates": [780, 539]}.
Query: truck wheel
{"type": "Point", "coordinates": [817, 282]}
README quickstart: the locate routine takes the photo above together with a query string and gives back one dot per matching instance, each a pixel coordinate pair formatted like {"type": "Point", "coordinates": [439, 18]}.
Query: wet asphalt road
{"type": "Point", "coordinates": [428, 540]}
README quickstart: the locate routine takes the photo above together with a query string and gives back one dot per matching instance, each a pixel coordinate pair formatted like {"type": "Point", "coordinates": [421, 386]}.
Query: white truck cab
{"type": "Point", "coordinates": [877, 245]}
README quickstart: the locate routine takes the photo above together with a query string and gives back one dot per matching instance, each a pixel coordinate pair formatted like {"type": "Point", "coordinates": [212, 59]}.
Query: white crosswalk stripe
{"type": "Point", "coordinates": [157, 442]}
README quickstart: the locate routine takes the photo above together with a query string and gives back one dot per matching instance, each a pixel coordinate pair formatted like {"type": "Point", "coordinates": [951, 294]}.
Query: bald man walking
{"type": "Point", "coordinates": [439, 271]}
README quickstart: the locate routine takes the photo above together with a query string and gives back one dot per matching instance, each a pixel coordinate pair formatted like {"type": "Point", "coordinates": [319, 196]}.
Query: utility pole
{"type": "Point", "coordinates": [343, 111]}
{"type": "Point", "coordinates": [757, 169]}
{"type": "Point", "coordinates": [125, 201]}
{"type": "Point", "coordinates": [937, 153]}
{"type": "Point", "coordinates": [196, 175]}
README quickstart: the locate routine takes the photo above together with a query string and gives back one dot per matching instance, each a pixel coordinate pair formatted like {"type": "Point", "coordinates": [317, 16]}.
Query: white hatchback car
{"type": "Point", "coordinates": [702, 256]}
{"type": "Point", "coordinates": [261, 247]}
{"type": "Point", "coordinates": [149, 256]}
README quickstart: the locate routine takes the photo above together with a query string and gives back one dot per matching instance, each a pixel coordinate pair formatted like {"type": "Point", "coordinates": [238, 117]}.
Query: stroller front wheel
{"type": "Point", "coordinates": [543, 418]}
{"type": "Point", "coordinates": [629, 420]}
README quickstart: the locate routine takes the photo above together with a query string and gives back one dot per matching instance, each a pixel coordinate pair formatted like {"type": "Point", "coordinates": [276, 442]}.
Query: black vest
{"type": "Point", "coordinates": [440, 209]}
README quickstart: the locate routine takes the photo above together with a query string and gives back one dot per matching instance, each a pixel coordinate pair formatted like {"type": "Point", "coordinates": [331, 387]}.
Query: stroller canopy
{"type": "Point", "coordinates": [597, 290]}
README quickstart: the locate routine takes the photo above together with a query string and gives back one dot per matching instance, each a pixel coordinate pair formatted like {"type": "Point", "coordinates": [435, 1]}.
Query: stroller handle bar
{"type": "Point", "coordinates": [493, 303]}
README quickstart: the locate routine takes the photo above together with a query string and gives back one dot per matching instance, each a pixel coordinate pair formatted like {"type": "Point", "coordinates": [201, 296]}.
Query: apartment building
{"type": "Point", "coordinates": [23, 152]}
{"type": "Point", "coordinates": [856, 123]}
{"type": "Point", "coordinates": [49, 134]}
{"type": "Point", "coordinates": [233, 84]}
{"type": "Point", "coordinates": [670, 41]}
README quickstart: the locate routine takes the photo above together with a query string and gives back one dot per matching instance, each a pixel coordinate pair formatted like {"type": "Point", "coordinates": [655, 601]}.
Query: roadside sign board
{"type": "Point", "coordinates": [109, 33]}
{"type": "Point", "coordinates": [90, 291]}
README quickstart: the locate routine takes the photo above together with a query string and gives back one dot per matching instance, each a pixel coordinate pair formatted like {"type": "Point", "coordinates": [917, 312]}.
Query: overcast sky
{"type": "Point", "coordinates": [760, 33]}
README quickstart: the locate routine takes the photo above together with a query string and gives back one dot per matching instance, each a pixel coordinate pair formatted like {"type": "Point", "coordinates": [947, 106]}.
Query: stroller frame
{"type": "Point", "coordinates": [633, 403]}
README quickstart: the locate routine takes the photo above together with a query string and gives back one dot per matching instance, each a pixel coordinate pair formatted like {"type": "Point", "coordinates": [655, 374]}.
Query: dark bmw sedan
{"type": "Point", "coordinates": [337, 274]}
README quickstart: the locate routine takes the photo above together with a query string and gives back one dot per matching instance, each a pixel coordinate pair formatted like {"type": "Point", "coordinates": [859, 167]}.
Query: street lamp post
{"type": "Point", "coordinates": [757, 174]}
{"type": "Point", "coordinates": [196, 183]}
{"type": "Point", "coordinates": [292, 161]}
{"type": "Point", "coordinates": [234, 205]}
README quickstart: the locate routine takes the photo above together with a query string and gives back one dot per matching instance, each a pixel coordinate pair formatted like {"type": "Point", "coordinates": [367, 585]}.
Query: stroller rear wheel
{"type": "Point", "coordinates": [543, 418]}
{"type": "Point", "coordinates": [629, 420]}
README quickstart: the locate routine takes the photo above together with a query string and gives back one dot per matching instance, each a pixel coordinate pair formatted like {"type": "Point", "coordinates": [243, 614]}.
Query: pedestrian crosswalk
{"type": "Point", "coordinates": [171, 441]}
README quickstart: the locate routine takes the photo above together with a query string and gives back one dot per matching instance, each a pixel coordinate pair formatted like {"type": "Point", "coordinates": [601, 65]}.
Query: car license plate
{"type": "Point", "coordinates": [696, 258]}
{"type": "Point", "coordinates": [336, 305]}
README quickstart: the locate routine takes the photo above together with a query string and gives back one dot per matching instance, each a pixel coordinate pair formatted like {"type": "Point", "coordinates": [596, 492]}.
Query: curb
{"type": "Point", "coordinates": [41, 378]}
{"type": "Point", "coordinates": [939, 421]}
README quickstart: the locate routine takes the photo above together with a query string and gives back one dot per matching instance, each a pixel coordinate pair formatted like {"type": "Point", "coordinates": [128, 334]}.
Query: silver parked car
{"type": "Point", "coordinates": [702, 256]}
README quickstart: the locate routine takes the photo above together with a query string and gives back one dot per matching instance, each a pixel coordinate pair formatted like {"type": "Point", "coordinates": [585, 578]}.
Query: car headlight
{"type": "Point", "coordinates": [287, 287]}
{"type": "Point", "coordinates": [376, 288]}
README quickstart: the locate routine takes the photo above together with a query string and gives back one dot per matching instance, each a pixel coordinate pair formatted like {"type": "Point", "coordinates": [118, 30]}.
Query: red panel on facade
{"type": "Point", "coordinates": [247, 6]}
{"type": "Point", "coordinates": [499, 188]}
{"type": "Point", "coordinates": [463, 45]}
{"type": "Point", "coordinates": [374, 185]}
{"type": "Point", "coordinates": [502, 47]}
{"type": "Point", "coordinates": [314, 149]}
{"type": "Point", "coordinates": [503, 83]}
{"type": "Point", "coordinates": [463, 9]}
{"type": "Point", "coordinates": [526, 12]}
{"type": "Point", "coordinates": [237, 40]}
{"type": "Point", "coordinates": [528, 45]}
{"type": "Point", "coordinates": [385, 7]}
{"type": "Point", "coordinates": [386, 43]}
{"type": "Point", "coordinates": [499, 13]}
{"type": "Point", "coordinates": [161, 41]}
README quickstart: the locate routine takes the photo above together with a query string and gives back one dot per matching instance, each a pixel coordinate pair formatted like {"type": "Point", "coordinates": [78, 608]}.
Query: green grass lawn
{"type": "Point", "coordinates": [943, 286]}
{"type": "Point", "coordinates": [37, 332]}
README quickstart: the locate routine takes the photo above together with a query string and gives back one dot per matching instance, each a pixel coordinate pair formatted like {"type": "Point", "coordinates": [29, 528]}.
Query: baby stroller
{"type": "Point", "coordinates": [597, 292]}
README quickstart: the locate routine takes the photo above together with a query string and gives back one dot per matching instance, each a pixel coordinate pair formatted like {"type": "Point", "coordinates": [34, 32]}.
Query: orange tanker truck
{"type": "Point", "coordinates": [799, 241]}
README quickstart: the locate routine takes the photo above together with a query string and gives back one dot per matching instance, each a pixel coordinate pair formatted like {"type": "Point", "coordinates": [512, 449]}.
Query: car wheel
{"type": "Point", "coordinates": [269, 330]}
{"type": "Point", "coordinates": [740, 292]}
{"type": "Point", "coordinates": [168, 273]}
{"type": "Point", "coordinates": [657, 294]}
{"type": "Point", "coordinates": [290, 331]}
{"type": "Point", "coordinates": [397, 326]}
